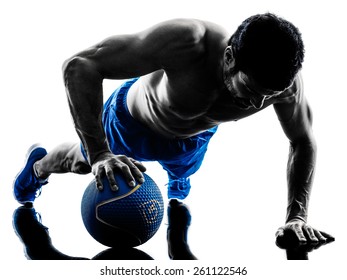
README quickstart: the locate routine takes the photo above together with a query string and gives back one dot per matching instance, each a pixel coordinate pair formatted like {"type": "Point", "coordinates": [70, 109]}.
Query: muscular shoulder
{"type": "Point", "coordinates": [289, 101]}
{"type": "Point", "coordinates": [186, 30]}
{"type": "Point", "coordinates": [175, 32]}
{"type": "Point", "coordinates": [179, 40]}
{"type": "Point", "coordinates": [193, 30]}
{"type": "Point", "coordinates": [295, 115]}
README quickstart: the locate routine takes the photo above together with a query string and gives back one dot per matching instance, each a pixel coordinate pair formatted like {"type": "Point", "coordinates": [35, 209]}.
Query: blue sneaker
{"type": "Point", "coordinates": [26, 185]}
{"type": "Point", "coordinates": [178, 187]}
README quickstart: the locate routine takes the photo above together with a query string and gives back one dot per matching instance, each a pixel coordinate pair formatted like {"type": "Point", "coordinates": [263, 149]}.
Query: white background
{"type": "Point", "coordinates": [238, 198]}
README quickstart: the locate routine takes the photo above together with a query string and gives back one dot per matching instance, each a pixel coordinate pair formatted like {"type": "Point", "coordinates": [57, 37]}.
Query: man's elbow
{"type": "Point", "coordinates": [80, 69]}
{"type": "Point", "coordinates": [307, 144]}
{"type": "Point", "coordinates": [70, 67]}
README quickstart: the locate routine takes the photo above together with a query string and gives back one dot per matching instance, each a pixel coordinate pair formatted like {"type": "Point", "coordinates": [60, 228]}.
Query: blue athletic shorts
{"type": "Point", "coordinates": [179, 157]}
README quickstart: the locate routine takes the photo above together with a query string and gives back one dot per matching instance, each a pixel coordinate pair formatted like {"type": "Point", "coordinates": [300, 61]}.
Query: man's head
{"type": "Point", "coordinates": [267, 49]}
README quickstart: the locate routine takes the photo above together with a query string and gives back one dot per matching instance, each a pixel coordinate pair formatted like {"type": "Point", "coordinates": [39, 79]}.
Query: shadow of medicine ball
{"type": "Point", "coordinates": [128, 217]}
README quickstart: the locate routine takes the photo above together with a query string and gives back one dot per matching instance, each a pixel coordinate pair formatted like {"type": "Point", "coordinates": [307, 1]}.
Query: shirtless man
{"type": "Point", "coordinates": [187, 77]}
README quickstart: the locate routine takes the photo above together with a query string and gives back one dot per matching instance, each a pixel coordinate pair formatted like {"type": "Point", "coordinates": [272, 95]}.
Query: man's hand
{"type": "Point", "coordinates": [107, 163]}
{"type": "Point", "coordinates": [297, 231]}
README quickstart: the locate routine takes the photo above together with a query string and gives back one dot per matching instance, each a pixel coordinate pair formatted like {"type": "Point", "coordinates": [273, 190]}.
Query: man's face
{"type": "Point", "coordinates": [247, 93]}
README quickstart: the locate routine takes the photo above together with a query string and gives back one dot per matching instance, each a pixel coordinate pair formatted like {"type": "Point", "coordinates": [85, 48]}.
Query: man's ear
{"type": "Point", "coordinates": [228, 66]}
{"type": "Point", "coordinates": [229, 60]}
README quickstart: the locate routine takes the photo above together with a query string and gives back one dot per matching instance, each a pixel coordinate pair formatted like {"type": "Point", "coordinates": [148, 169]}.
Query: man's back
{"type": "Point", "coordinates": [188, 95]}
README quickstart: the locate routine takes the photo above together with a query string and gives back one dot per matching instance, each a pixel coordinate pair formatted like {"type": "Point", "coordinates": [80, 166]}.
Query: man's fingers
{"type": "Point", "coordinates": [130, 169]}
{"type": "Point", "coordinates": [280, 232]}
{"type": "Point", "coordinates": [311, 234]}
{"type": "Point", "coordinates": [112, 181]}
{"type": "Point", "coordinates": [126, 172]}
{"type": "Point", "coordinates": [98, 182]}
{"type": "Point", "coordinates": [320, 236]}
{"type": "Point", "coordinates": [299, 233]}
{"type": "Point", "coordinates": [139, 165]}
{"type": "Point", "coordinates": [97, 172]}
{"type": "Point", "coordinates": [329, 238]}
{"type": "Point", "coordinates": [136, 168]}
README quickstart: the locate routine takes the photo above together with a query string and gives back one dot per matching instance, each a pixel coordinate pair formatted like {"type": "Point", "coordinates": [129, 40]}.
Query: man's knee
{"type": "Point", "coordinates": [81, 168]}
{"type": "Point", "coordinates": [75, 161]}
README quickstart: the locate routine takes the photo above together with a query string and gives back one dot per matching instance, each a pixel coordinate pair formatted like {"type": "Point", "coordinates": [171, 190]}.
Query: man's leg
{"type": "Point", "coordinates": [65, 158]}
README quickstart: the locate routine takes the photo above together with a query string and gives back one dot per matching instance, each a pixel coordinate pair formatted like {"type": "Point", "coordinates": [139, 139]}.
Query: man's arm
{"type": "Point", "coordinates": [120, 57]}
{"type": "Point", "coordinates": [296, 120]}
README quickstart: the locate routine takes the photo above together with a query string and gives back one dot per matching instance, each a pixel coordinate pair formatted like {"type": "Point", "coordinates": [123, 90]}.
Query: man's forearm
{"type": "Point", "coordinates": [94, 145]}
{"type": "Point", "coordinates": [84, 90]}
{"type": "Point", "coordinates": [301, 166]}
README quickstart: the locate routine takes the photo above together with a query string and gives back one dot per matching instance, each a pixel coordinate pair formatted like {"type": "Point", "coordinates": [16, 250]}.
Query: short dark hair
{"type": "Point", "coordinates": [269, 49]}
